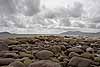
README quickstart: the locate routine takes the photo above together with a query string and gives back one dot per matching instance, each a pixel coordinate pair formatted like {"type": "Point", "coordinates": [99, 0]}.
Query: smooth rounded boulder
{"type": "Point", "coordinates": [6, 61]}
{"type": "Point", "coordinates": [44, 54]}
{"type": "Point", "coordinates": [45, 63]}
{"type": "Point", "coordinates": [81, 62]}
{"type": "Point", "coordinates": [16, 64]}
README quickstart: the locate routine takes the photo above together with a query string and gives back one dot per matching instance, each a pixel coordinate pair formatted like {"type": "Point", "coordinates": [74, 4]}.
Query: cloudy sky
{"type": "Point", "coordinates": [49, 16]}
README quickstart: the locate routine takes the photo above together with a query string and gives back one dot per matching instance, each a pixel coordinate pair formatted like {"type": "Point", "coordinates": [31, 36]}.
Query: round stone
{"type": "Point", "coordinates": [44, 54]}
{"type": "Point", "coordinates": [45, 63]}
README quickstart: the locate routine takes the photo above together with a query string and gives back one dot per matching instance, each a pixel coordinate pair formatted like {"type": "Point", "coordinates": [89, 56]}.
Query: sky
{"type": "Point", "coordinates": [49, 16]}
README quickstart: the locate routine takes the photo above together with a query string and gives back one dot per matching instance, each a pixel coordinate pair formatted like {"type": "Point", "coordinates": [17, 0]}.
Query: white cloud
{"type": "Point", "coordinates": [55, 16]}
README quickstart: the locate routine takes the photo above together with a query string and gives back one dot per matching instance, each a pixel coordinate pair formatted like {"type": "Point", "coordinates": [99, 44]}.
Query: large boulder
{"type": "Point", "coordinates": [6, 61]}
{"type": "Point", "coordinates": [16, 64]}
{"type": "Point", "coordinates": [81, 62]}
{"type": "Point", "coordinates": [10, 55]}
{"type": "Point", "coordinates": [44, 54]}
{"type": "Point", "coordinates": [44, 63]}
{"type": "Point", "coordinates": [88, 55]}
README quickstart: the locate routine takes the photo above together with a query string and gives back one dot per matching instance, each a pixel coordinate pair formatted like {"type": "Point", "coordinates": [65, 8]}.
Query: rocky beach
{"type": "Point", "coordinates": [50, 51]}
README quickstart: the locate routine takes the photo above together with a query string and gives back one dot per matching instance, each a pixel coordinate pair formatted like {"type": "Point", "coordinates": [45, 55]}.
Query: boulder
{"type": "Point", "coordinates": [10, 55]}
{"type": "Point", "coordinates": [81, 62]}
{"type": "Point", "coordinates": [55, 49]}
{"type": "Point", "coordinates": [16, 64]}
{"type": "Point", "coordinates": [6, 61]}
{"type": "Point", "coordinates": [44, 63]}
{"type": "Point", "coordinates": [27, 62]}
{"type": "Point", "coordinates": [88, 55]}
{"type": "Point", "coordinates": [44, 54]}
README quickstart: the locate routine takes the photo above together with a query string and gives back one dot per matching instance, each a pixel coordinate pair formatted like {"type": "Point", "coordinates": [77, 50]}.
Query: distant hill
{"type": "Point", "coordinates": [5, 33]}
{"type": "Point", "coordinates": [80, 33]}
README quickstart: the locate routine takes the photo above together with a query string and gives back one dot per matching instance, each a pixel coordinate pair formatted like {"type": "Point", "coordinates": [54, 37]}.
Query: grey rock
{"type": "Point", "coordinates": [81, 62]}
{"type": "Point", "coordinates": [16, 64]}
{"type": "Point", "coordinates": [6, 61]}
{"type": "Point", "coordinates": [44, 54]}
{"type": "Point", "coordinates": [44, 63]}
{"type": "Point", "coordinates": [75, 49]}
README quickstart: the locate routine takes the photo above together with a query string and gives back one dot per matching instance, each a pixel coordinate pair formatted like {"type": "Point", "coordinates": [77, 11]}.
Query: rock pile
{"type": "Point", "coordinates": [50, 51]}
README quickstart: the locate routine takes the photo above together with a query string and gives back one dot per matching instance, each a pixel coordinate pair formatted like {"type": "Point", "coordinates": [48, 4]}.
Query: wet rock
{"type": "Point", "coordinates": [17, 64]}
{"type": "Point", "coordinates": [44, 63]}
{"type": "Point", "coordinates": [44, 54]}
{"type": "Point", "coordinates": [6, 61]}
